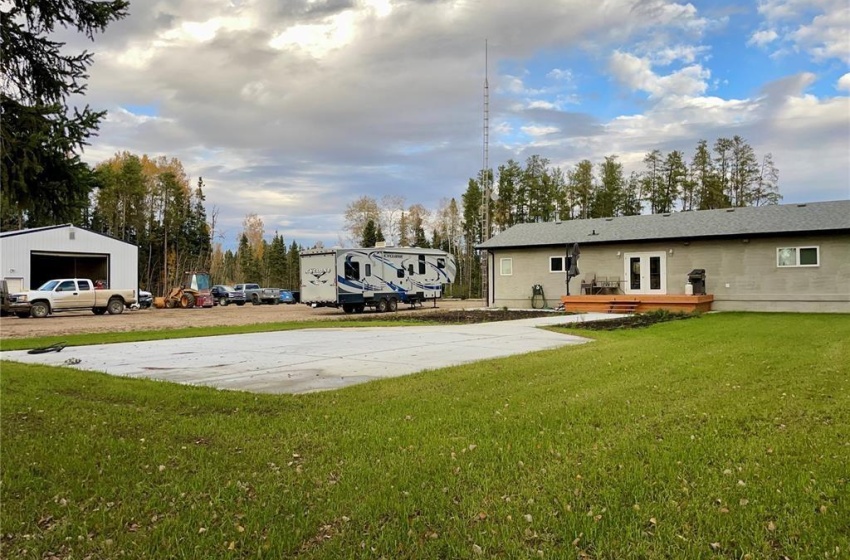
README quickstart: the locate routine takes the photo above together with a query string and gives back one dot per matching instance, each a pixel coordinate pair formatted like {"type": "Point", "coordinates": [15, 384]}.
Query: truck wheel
{"type": "Point", "coordinates": [115, 307]}
{"type": "Point", "coordinates": [382, 306]}
{"type": "Point", "coordinates": [99, 310]}
{"type": "Point", "coordinates": [222, 301]}
{"type": "Point", "coordinates": [40, 310]}
{"type": "Point", "coordinates": [23, 314]}
{"type": "Point", "coordinates": [393, 304]}
{"type": "Point", "coordinates": [255, 299]}
{"type": "Point", "coordinates": [187, 301]}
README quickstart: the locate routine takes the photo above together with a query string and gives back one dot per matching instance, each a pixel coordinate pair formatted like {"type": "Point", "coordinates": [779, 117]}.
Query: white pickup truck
{"type": "Point", "coordinates": [69, 294]}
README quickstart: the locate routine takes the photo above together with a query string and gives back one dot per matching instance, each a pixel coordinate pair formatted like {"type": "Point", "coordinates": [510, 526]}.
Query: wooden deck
{"type": "Point", "coordinates": [604, 303]}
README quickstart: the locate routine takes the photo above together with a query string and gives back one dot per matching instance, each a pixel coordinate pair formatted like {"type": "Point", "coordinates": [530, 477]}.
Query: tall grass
{"type": "Point", "coordinates": [727, 436]}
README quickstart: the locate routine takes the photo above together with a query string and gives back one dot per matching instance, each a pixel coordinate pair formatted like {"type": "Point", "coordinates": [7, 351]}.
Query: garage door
{"type": "Point", "coordinates": [45, 266]}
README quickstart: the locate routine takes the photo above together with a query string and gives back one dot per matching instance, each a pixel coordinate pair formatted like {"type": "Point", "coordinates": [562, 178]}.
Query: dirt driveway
{"type": "Point", "coordinates": [155, 319]}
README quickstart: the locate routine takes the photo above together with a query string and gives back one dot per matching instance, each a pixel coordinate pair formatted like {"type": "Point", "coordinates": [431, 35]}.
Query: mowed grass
{"type": "Point", "coordinates": [726, 436]}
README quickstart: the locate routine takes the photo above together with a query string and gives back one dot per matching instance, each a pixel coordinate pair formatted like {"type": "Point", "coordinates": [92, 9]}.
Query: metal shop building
{"type": "Point", "coordinates": [30, 257]}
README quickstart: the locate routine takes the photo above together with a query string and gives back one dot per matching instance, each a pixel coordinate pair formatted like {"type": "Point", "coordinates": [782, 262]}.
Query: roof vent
{"type": "Point", "coordinates": [730, 209]}
{"type": "Point", "coordinates": [801, 206]}
{"type": "Point", "coordinates": [593, 233]}
{"type": "Point", "coordinates": [609, 219]}
{"type": "Point", "coordinates": [667, 215]}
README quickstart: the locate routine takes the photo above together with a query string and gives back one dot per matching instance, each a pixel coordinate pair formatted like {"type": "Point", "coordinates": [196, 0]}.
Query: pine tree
{"type": "Point", "coordinates": [44, 181]}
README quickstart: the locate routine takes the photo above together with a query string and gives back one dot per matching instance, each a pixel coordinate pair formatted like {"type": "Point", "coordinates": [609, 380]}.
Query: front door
{"type": "Point", "coordinates": [646, 273]}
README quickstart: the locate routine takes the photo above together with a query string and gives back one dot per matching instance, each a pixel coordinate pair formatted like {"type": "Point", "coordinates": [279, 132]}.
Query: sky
{"type": "Point", "coordinates": [293, 109]}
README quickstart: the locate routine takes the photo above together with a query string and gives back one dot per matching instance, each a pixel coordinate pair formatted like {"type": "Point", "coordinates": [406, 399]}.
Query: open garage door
{"type": "Point", "coordinates": [45, 266]}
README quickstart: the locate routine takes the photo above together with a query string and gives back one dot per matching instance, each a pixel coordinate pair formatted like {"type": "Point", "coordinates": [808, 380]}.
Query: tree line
{"type": "Point", "coordinates": [727, 174]}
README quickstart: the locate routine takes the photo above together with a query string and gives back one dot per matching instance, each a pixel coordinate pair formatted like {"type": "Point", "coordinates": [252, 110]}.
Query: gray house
{"type": "Point", "coordinates": [792, 257]}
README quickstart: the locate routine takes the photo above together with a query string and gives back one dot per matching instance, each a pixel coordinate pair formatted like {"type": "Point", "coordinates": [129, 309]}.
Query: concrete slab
{"type": "Point", "coordinates": [313, 359]}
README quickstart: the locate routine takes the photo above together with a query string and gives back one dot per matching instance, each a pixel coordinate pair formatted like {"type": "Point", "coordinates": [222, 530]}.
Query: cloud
{"type": "Point", "coordinates": [293, 109]}
{"type": "Point", "coordinates": [637, 74]}
{"type": "Point", "coordinates": [763, 37]}
{"type": "Point", "coordinates": [843, 83]}
{"type": "Point", "coordinates": [816, 27]}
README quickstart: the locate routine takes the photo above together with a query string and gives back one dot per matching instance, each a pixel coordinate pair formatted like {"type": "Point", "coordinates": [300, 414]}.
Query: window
{"type": "Point", "coordinates": [421, 264]}
{"type": "Point", "coordinates": [797, 256]}
{"type": "Point", "coordinates": [399, 272]}
{"type": "Point", "coordinates": [556, 264]}
{"type": "Point", "coordinates": [82, 285]}
{"type": "Point", "coordinates": [67, 286]}
{"type": "Point", "coordinates": [506, 267]}
{"type": "Point", "coordinates": [441, 262]}
{"type": "Point", "coordinates": [368, 270]}
{"type": "Point", "coordinates": [352, 270]}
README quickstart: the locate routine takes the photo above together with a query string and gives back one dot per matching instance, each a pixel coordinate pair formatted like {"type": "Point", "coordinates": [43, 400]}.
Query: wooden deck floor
{"type": "Point", "coordinates": [637, 303]}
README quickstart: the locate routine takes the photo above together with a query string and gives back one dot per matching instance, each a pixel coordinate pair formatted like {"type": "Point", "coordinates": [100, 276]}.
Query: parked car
{"type": "Point", "coordinates": [225, 295]}
{"type": "Point", "coordinates": [257, 295]}
{"type": "Point", "coordinates": [286, 297]}
{"type": "Point", "coordinates": [145, 299]}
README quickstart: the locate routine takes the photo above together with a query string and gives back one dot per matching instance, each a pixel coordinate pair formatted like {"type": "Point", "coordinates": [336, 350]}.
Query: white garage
{"type": "Point", "coordinates": [30, 257]}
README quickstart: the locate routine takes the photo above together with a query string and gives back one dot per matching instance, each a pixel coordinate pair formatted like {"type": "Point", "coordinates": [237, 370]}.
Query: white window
{"type": "Point", "coordinates": [556, 264]}
{"type": "Point", "coordinates": [506, 267]}
{"type": "Point", "coordinates": [797, 256]}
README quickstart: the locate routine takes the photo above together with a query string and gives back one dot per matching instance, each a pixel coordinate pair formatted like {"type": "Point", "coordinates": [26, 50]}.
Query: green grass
{"type": "Point", "coordinates": [193, 332]}
{"type": "Point", "coordinates": [726, 436]}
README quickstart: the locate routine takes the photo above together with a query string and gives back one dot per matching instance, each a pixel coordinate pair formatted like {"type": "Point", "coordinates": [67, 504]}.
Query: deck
{"type": "Point", "coordinates": [619, 303]}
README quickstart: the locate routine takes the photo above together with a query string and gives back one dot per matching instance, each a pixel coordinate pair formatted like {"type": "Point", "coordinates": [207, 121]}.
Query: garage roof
{"type": "Point", "coordinates": [48, 228]}
{"type": "Point", "coordinates": [813, 217]}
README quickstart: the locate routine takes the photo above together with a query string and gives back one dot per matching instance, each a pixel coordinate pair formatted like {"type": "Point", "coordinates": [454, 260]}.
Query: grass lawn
{"type": "Point", "coordinates": [726, 436]}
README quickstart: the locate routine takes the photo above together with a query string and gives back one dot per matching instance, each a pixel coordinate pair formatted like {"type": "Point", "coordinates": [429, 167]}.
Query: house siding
{"type": "Point", "coordinates": [741, 273]}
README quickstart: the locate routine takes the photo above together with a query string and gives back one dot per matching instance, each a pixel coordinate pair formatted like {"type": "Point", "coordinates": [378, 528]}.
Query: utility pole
{"type": "Point", "coordinates": [485, 179]}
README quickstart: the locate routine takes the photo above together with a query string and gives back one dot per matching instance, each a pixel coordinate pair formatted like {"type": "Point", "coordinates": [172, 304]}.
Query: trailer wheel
{"type": "Point", "coordinates": [393, 304]}
{"type": "Point", "coordinates": [115, 306]}
{"type": "Point", "coordinates": [98, 310]}
{"type": "Point", "coordinates": [40, 310]}
{"type": "Point", "coordinates": [382, 306]}
{"type": "Point", "coordinates": [359, 307]}
{"type": "Point", "coordinates": [348, 308]}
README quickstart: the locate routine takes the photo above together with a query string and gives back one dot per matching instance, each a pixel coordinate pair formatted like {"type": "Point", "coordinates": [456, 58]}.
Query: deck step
{"type": "Point", "coordinates": [622, 306]}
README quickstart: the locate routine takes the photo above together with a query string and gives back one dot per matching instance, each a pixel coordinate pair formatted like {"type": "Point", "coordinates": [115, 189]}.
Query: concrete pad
{"type": "Point", "coordinates": [308, 360]}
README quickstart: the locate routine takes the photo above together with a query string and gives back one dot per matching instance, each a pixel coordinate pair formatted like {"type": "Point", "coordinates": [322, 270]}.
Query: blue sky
{"type": "Point", "coordinates": [292, 110]}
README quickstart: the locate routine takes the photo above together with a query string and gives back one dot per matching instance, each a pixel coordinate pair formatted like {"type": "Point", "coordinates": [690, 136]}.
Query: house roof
{"type": "Point", "coordinates": [812, 217]}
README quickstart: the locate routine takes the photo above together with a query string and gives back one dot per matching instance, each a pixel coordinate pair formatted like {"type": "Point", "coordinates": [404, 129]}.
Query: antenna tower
{"type": "Point", "coordinates": [485, 179]}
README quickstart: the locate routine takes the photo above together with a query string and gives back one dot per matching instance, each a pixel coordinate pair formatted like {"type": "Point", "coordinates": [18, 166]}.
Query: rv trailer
{"type": "Point", "coordinates": [379, 277]}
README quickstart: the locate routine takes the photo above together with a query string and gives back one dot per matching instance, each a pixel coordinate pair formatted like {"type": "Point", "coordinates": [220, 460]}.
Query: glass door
{"type": "Point", "coordinates": [646, 273]}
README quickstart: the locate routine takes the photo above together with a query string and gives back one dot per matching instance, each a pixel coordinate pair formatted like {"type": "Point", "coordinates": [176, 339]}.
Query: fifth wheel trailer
{"type": "Point", "coordinates": [379, 277]}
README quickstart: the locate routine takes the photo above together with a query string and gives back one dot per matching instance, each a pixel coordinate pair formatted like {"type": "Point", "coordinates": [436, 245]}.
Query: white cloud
{"type": "Point", "coordinates": [843, 83]}
{"type": "Point", "coordinates": [763, 37]}
{"type": "Point", "coordinates": [817, 27]}
{"type": "Point", "coordinates": [538, 131]}
{"type": "Point", "coordinates": [637, 74]}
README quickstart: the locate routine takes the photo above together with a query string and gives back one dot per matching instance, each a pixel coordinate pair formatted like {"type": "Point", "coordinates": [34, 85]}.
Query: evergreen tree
{"type": "Point", "coordinates": [370, 234]}
{"type": "Point", "coordinates": [609, 197]}
{"type": "Point", "coordinates": [44, 181]}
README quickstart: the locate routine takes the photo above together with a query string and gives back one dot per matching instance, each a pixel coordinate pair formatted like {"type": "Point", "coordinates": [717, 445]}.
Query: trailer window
{"type": "Point", "coordinates": [352, 270]}
{"type": "Point", "coordinates": [410, 269]}
{"type": "Point", "coordinates": [421, 264]}
{"type": "Point", "coordinates": [368, 270]}
{"type": "Point", "coordinates": [399, 272]}
{"type": "Point", "coordinates": [441, 262]}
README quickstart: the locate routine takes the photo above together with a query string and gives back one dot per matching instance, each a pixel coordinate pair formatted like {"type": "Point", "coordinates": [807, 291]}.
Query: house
{"type": "Point", "coordinates": [30, 257]}
{"type": "Point", "coordinates": [791, 257]}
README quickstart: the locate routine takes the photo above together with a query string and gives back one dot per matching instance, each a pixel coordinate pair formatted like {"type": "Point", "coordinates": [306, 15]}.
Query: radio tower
{"type": "Point", "coordinates": [485, 179]}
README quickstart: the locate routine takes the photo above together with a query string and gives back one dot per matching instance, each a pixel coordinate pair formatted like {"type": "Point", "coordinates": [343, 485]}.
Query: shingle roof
{"type": "Point", "coordinates": [764, 220]}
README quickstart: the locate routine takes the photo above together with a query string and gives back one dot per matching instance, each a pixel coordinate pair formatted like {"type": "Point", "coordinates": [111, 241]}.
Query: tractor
{"type": "Point", "coordinates": [193, 292]}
